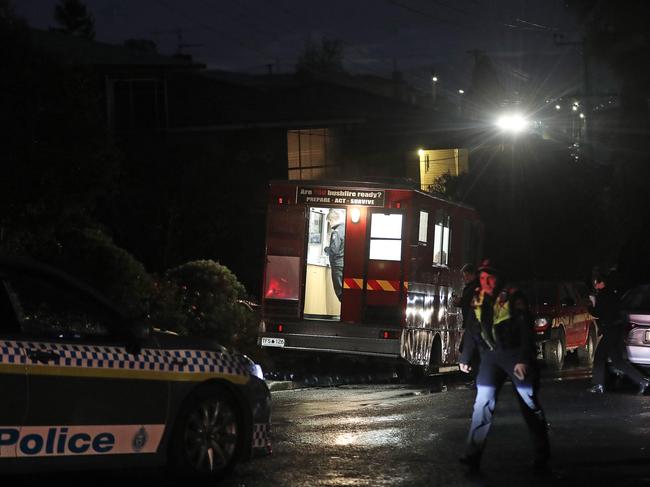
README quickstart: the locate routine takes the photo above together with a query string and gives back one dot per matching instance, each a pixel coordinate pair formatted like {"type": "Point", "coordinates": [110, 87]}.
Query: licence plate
{"type": "Point", "coordinates": [647, 336]}
{"type": "Point", "coordinates": [272, 342]}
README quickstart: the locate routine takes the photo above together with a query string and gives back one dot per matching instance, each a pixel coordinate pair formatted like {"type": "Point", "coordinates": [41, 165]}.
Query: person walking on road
{"type": "Point", "coordinates": [606, 309]}
{"type": "Point", "coordinates": [502, 328]}
{"type": "Point", "coordinates": [464, 302]}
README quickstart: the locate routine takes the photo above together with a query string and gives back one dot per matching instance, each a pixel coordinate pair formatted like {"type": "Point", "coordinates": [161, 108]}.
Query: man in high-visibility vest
{"type": "Point", "coordinates": [502, 330]}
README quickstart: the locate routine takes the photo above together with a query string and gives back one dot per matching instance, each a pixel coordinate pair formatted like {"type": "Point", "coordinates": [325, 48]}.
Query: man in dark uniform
{"type": "Point", "coordinates": [502, 330]}
{"type": "Point", "coordinates": [606, 309]}
{"type": "Point", "coordinates": [335, 250]}
{"type": "Point", "coordinates": [464, 302]}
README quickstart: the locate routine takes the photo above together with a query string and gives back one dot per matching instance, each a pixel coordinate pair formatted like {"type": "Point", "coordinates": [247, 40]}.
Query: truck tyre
{"type": "Point", "coordinates": [587, 351]}
{"type": "Point", "coordinates": [208, 435]}
{"type": "Point", "coordinates": [554, 351]}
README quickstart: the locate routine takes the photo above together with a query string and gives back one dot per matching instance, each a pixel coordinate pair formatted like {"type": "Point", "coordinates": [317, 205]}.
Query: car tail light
{"type": "Point", "coordinates": [541, 324]}
{"type": "Point", "coordinates": [280, 328]}
{"type": "Point", "coordinates": [389, 334]}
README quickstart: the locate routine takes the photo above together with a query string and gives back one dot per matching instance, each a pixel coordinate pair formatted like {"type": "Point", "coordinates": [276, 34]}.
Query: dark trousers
{"type": "Point", "coordinates": [337, 280]}
{"type": "Point", "coordinates": [611, 346]}
{"type": "Point", "coordinates": [494, 369]}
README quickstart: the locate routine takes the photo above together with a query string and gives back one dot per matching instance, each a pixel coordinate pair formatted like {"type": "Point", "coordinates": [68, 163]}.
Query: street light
{"type": "Point", "coordinates": [513, 123]}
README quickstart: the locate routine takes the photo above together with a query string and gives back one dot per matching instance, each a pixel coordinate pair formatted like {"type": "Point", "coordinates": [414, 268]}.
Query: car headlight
{"type": "Point", "coordinates": [252, 368]}
{"type": "Point", "coordinates": [541, 324]}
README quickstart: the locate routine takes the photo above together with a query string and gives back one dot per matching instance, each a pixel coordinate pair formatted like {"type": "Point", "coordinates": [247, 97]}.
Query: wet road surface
{"type": "Point", "coordinates": [389, 434]}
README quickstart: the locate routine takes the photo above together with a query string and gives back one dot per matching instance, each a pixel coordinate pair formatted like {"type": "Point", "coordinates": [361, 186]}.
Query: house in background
{"type": "Point", "coordinates": [200, 146]}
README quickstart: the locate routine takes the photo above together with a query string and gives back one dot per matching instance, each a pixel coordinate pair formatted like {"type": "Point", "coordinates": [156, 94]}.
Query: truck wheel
{"type": "Point", "coordinates": [587, 351]}
{"type": "Point", "coordinates": [207, 436]}
{"type": "Point", "coordinates": [554, 351]}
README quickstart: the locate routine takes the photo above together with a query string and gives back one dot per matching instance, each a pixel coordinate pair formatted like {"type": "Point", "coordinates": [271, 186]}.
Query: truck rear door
{"type": "Point", "coordinates": [285, 257]}
{"type": "Point", "coordinates": [384, 276]}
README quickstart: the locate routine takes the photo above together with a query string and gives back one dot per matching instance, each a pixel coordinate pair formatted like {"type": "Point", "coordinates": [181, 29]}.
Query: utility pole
{"type": "Point", "coordinates": [586, 87]}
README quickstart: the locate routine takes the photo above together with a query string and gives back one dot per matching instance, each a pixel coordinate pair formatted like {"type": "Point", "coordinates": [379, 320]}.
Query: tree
{"type": "Point", "coordinates": [618, 36]}
{"type": "Point", "coordinates": [75, 19]}
{"type": "Point", "coordinates": [321, 59]}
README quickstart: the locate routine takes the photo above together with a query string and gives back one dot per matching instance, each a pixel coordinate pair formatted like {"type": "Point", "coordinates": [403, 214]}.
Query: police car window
{"type": "Point", "coordinates": [50, 309]}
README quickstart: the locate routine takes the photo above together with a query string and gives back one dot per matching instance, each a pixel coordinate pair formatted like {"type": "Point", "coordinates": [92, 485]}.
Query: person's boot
{"type": "Point", "coordinates": [597, 389]}
{"type": "Point", "coordinates": [643, 386]}
{"type": "Point", "coordinates": [540, 462]}
{"type": "Point", "coordinates": [472, 461]}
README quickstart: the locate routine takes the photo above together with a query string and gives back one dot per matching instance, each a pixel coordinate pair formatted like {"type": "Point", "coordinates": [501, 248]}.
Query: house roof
{"type": "Point", "coordinates": [75, 50]}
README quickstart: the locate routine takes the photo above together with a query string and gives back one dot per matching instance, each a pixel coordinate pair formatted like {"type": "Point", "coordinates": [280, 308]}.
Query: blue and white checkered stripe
{"type": "Point", "coordinates": [116, 358]}
{"type": "Point", "coordinates": [11, 354]}
{"type": "Point", "coordinates": [262, 436]}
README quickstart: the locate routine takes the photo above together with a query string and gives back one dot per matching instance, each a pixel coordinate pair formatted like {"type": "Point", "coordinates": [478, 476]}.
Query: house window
{"type": "Point", "coordinates": [311, 153]}
{"type": "Point", "coordinates": [441, 239]}
{"type": "Point", "coordinates": [386, 237]}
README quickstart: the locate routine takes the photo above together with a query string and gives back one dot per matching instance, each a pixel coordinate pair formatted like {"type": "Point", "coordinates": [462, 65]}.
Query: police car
{"type": "Point", "coordinates": [84, 386]}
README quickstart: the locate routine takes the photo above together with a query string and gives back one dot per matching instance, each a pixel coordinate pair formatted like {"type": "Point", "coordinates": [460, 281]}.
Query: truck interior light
{"type": "Point", "coordinates": [355, 215]}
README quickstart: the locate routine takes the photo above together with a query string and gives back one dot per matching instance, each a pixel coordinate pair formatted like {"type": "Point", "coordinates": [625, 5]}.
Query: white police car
{"type": "Point", "coordinates": [83, 386]}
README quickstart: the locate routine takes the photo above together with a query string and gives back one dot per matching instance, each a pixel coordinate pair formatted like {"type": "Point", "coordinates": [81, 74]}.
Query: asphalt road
{"type": "Point", "coordinates": [390, 434]}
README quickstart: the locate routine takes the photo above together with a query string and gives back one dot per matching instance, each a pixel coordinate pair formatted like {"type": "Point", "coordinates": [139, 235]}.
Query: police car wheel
{"type": "Point", "coordinates": [207, 436]}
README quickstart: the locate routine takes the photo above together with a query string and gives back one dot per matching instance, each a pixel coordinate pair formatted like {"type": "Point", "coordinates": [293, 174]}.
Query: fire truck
{"type": "Point", "coordinates": [401, 254]}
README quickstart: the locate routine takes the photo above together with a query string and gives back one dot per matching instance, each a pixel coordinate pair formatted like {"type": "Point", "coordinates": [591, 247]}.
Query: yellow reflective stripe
{"type": "Point", "coordinates": [501, 312]}
{"type": "Point", "coordinates": [386, 286]}
{"type": "Point", "coordinates": [47, 370]}
{"type": "Point", "coordinates": [131, 374]}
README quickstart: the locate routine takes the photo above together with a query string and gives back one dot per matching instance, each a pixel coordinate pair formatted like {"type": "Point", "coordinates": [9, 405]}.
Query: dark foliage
{"type": "Point", "coordinates": [75, 19]}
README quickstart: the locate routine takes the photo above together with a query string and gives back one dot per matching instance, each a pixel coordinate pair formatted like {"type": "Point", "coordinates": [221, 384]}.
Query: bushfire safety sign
{"type": "Point", "coordinates": [340, 196]}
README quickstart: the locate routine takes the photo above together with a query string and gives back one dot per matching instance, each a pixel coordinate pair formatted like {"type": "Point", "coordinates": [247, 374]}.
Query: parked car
{"type": "Point", "coordinates": [635, 307]}
{"type": "Point", "coordinates": [562, 320]}
{"type": "Point", "coordinates": [86, 386]}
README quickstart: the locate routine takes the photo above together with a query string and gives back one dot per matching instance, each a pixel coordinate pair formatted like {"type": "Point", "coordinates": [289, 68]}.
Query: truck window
{"type": "Point", "coordinates": [386, 236]}
{"type": "Point", "coordinates": [441, 237]}
{"type": "Point", "coordinates": [424, 227]}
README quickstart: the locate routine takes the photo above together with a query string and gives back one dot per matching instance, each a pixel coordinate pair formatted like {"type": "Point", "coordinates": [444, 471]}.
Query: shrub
{"type": "Point", "coordinates": [201, 298]}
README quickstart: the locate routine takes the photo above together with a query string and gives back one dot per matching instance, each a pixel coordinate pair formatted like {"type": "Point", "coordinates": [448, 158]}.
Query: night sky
{"type": "Point", "coordinates": [417, 36]}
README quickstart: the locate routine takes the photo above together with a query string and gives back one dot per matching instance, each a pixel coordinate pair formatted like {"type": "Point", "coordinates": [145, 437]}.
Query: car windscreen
{"type": "Point", "coordinates": [539, 293]}
{"type": "Point", "coordinates": [637, 299]}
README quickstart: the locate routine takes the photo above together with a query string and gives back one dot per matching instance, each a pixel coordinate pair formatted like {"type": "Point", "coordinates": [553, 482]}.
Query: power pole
{"type": "Point", "coordinates": [586, 87]}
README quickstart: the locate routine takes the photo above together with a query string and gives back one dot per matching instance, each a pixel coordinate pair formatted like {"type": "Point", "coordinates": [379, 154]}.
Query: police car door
{"type": "Point", "coordinates": [88, 396]}
{"type": "Point", "coordinates": [13, 378]}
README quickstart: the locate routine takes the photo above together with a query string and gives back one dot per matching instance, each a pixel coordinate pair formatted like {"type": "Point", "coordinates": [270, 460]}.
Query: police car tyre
{"type": "Point", "coordinates": [586, 353]}
{"type": "Point", "coordinates": [208, 434]}
{"type": "Point", "coordinates": [554, 351]}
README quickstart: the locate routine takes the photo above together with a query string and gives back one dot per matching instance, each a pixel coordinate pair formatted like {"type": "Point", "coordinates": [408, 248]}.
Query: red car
{"type": "Point", "coordinates": [562, 321]}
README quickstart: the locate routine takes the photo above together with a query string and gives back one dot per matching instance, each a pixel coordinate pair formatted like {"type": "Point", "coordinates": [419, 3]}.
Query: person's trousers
{"type": "Point", "coordinates": [337, 280]}
{"type": "Point", "coordinates": [495, 368]}
{"type": "Point", "coordinates": [611, 346]}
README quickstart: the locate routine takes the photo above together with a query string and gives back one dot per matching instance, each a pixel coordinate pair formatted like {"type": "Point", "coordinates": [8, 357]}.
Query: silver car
{"type": "Point", "coordinates": [635, 306]}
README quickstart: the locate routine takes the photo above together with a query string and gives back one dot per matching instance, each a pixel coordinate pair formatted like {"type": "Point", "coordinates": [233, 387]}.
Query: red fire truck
{"type": "Point", "coordinates": [401, 256]}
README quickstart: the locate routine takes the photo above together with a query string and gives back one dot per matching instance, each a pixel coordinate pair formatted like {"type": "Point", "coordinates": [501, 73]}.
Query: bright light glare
{"type": "Point", "coordinates": [512, 123]}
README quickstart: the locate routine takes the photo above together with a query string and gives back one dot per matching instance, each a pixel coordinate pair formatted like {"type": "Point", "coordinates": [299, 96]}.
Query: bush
{"type": "Point", "coordinates": [201, 298]}
{"type": "Point", "coordinates": [91, 256]}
